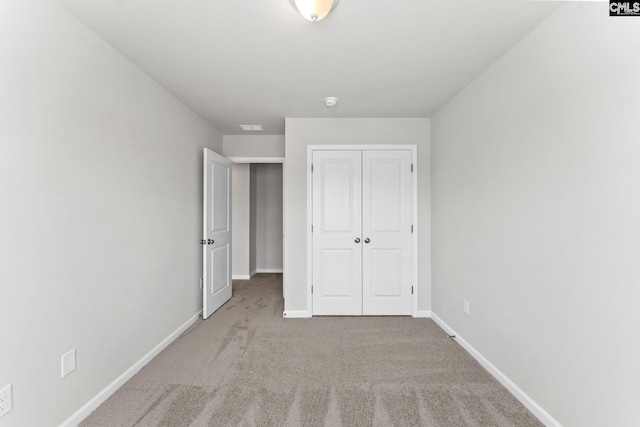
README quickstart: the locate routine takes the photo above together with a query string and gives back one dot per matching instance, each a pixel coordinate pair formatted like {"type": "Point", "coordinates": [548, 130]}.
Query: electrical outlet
{"type": "Point", "coordinates": [466, 307]}
{"type": "Point", "coordinates": [68, 363]}
{"type": "Point", "coordinates": [6, 404]}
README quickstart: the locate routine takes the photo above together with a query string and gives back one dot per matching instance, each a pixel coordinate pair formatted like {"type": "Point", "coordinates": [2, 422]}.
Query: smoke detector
{"type": "Point", "coordinates": [331, 101]}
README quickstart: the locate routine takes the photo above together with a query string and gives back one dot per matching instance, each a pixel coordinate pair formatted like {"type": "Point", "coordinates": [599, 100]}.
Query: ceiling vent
{"type": "Point", "coordinates": [251, 128]}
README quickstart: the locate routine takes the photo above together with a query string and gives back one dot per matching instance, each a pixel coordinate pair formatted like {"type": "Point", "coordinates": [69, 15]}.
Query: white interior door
{"type": "Point", "coordinates": [217, 232]}
{"type": "Point", "coordinates": [337, 228]}
{"type": "Point", "coordinates": [386, 232]}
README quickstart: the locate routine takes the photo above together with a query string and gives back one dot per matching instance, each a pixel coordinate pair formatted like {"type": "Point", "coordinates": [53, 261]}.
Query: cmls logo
{"type": "Point", "coordinates": [624, 8]}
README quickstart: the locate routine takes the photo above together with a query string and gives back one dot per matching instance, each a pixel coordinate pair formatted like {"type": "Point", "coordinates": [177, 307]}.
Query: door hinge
{"type": "Point", "coordinates": [312, 228]}
{"type": "Point", "coordinates": [311, 289]}
{"type": "Point", "coordinates": [411, 228]}
{"type": "Point", "coordinates": [201, 282]}
{"type": "Point", "coordinates": [411, 289]}
{"type": "Point", "coordinates": [311, 167]}
{"type": "Point", "coordinates": [411, 167]}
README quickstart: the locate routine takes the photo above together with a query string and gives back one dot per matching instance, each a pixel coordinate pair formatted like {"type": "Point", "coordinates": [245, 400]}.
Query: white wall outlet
{"type": "Point", "coordinates": [6, 404]}
{"type": "Point", "coordinates": [466, 307]}
{"type": "Point", "coordinates": [68, 363]}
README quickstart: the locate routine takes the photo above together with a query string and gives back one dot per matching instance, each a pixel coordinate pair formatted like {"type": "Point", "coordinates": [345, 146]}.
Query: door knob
{"type": "Point", "coordinates": [203, 242]}
{"type": "Point", "coordinates": [357, 240]}
{"type": "Point", "coordinates": [210, 242]}
{"type": "Point", "coordinates": [367, 240]}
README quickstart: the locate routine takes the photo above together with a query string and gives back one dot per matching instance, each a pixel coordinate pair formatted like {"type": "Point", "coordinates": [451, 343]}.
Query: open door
{"type": "Point", "coordinates": [216, 243]}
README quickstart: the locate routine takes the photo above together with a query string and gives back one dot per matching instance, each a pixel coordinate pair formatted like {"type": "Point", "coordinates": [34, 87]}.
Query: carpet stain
{"type": "Point", "coordinates": [251, 333]}
{"type": "Point", "coordinates": [230, 337]}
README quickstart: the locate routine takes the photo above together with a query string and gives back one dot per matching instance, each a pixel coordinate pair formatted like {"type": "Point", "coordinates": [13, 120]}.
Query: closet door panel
{"type": "Point", "coordinates": [337, 223]}
{"type": "Point", "coordinates": [386, 231]}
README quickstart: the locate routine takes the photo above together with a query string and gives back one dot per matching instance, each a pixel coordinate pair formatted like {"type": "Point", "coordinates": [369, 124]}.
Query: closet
{"type": "Point", "coordinates": [362, 232]}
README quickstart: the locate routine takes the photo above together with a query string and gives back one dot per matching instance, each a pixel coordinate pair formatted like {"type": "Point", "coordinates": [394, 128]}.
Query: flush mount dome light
{"type": "Point", "coordinates": [314, 10]}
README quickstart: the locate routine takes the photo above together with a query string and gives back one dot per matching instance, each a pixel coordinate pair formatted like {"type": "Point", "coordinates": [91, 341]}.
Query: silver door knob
{"type": "Point", "coordinates": [210, 242]}
{"type": "Point", "coordinates": [357, 240]}
{"type": "Point", "coordinates": [367, 240]}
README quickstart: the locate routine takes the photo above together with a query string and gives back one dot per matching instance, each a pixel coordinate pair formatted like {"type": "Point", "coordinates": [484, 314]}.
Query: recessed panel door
{"type": "Point", "coordinates": [337, 225]}
{"type": "Point", "coordinates": [386, 232]}
{"type": "Point", "coordinates": [217, 232]}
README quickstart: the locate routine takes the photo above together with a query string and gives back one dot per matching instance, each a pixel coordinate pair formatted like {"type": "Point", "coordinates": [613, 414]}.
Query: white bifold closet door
{"type": "Point", "coordinates": [361, 232]}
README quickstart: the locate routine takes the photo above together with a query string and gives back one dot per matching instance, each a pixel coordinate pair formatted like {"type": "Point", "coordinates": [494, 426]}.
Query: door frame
{"type": "Point", "coordinates": [414, 212]}
{"type": "Point", "coordinates": [280, 160]}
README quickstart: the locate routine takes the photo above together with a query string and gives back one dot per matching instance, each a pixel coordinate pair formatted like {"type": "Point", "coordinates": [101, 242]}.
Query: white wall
{"type": "Point", "coordinates": [253, 219]}
{"type": "Point", "coordinates": [301, 132]}
{"type": "Point", "coordinates": [101, 173]}
{"type": "Point", "coordinates": [253, 145]}
{"type": "Point", "coordinates": [268, 217]}
{"type": "Point", "coordinates": [240, 211]}
{"type": "Point", "coordinates": [536, 213]}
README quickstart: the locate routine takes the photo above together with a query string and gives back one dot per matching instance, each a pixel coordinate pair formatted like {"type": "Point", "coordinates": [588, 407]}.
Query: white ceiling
{"type": "Point", "coordinates": [258, 61]}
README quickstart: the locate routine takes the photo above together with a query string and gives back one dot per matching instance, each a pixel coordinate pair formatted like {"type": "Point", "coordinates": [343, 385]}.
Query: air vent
{"type": "Point", "coordinates": [251, 128]}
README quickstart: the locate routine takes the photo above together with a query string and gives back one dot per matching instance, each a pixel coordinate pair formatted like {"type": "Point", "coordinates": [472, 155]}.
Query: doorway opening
{"type": "Point", "coordinates": [257, 216]}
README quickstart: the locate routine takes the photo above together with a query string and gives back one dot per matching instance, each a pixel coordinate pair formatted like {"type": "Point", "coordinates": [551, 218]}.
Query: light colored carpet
{"type": "Point", "coordinates": [246, 366]}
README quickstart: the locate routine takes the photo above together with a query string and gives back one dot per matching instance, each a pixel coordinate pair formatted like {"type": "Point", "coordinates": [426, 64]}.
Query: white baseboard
{"type": "Point", "coordinates": [523, 397]}
{"type": "Point", "coordinates": [259, 270]}
{"type": "Point", "coordinates": [99, 399]}
{"type": "Point", "coordinates": [296, 314]}
{"type": "Point", "coordinates": [303, 313]}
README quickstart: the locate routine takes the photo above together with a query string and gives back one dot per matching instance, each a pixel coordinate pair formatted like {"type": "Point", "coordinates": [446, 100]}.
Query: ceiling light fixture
{"type": "Point", "coordinates": [314, 10]}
